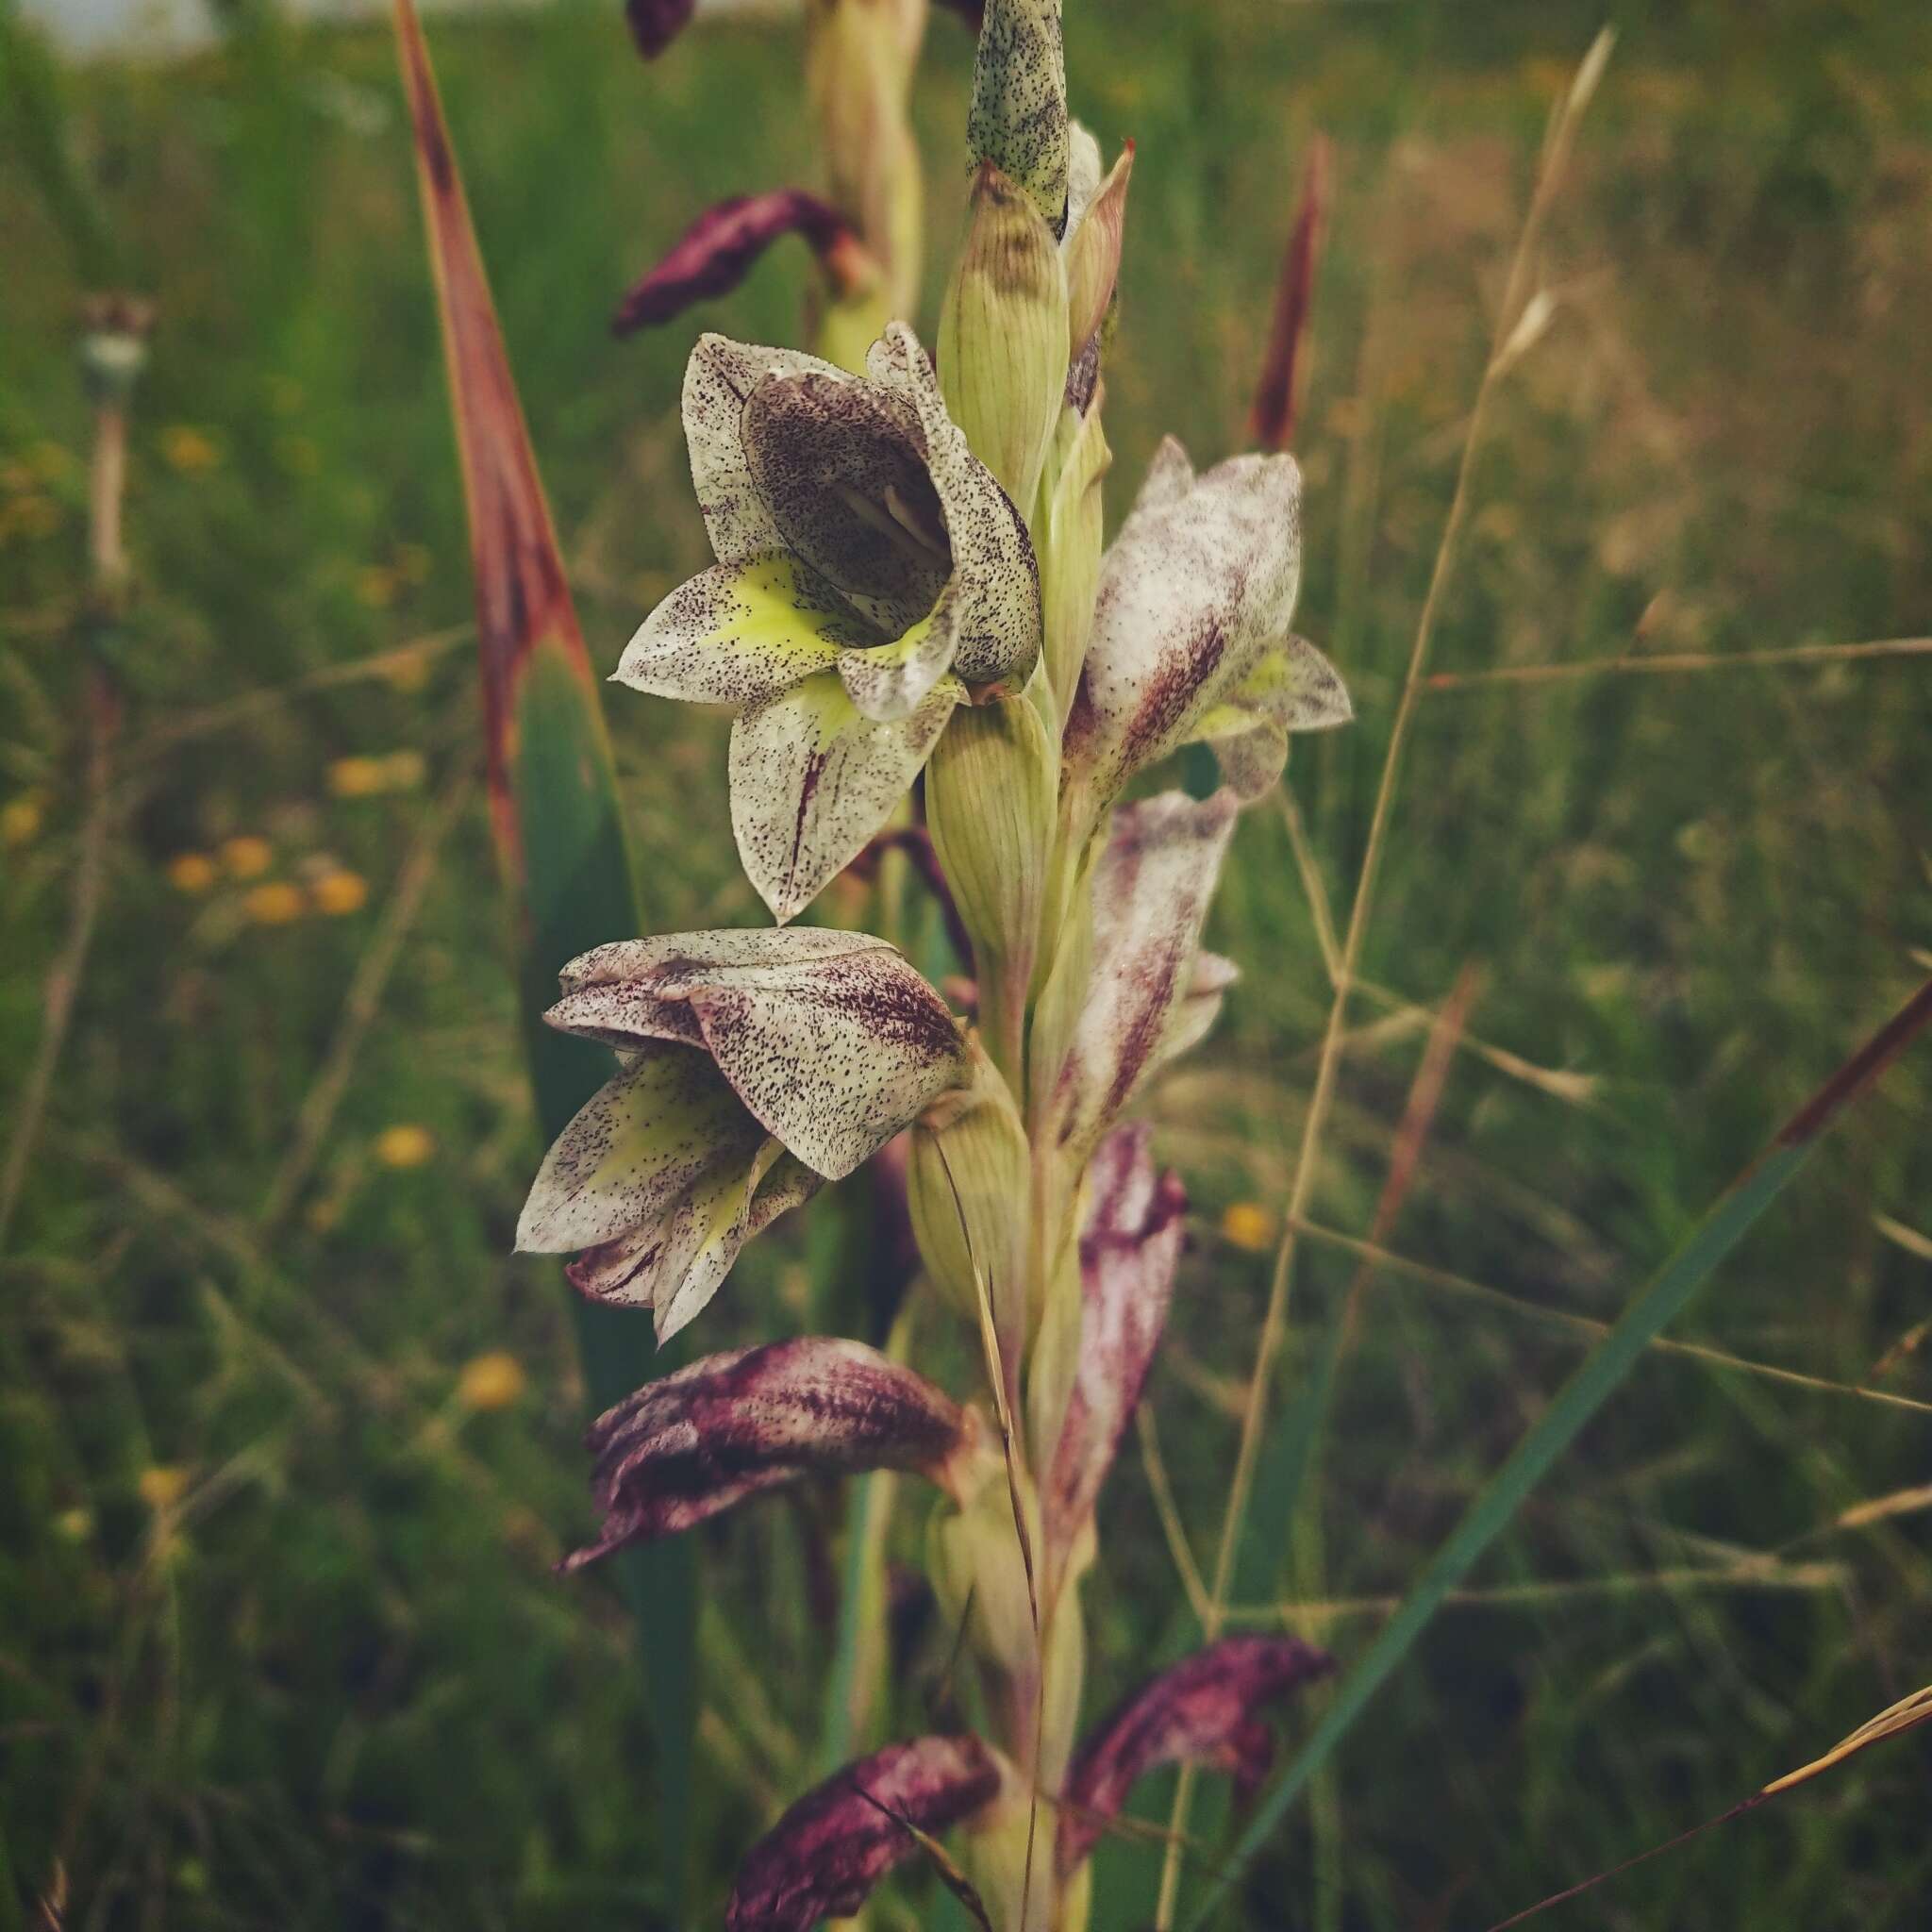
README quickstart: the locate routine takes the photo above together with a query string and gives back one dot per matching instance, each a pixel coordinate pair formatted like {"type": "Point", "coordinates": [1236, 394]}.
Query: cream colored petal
{"type": "Point", "coordinates": [890, 682]}
{"type": "Point", "coordinates": [1194, 592]}
{"type": "Point", "coordinates": [833, 1058]}
{"type": "Point", "coordinates": [1151, 893]}
{"type": "Point", "coordinates": [995, 575]}
{"type": "Point", "coordinates": [718, 382]}
{"type": "Point", "coordinates": [633, 1148]}
{"type": "Point", "coordinates": [813, 779]}
{"type": "Point", "coordinates": [736, 634]}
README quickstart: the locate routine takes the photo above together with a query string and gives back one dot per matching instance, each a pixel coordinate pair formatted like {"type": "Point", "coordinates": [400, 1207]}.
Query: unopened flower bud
{"type": "Point", "coordinates": [979, 1574]}
{"type": "Point", "coordinates": [1094, 256]}
{"type": "Point", "coordinates": [1019, 118]}
{"type": "Point", "coordinates": [991, 794]}
{"type": "Point", "coordinates": [1003, 335]}
{"type": "Point", "coordinates": [1069, 539]}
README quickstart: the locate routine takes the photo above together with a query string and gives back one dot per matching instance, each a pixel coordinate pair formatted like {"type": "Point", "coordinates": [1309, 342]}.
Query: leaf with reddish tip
{"type": "Point", "coordinates": [717, 250]}
{"type": "Point", "coordinates": [691, 1445]}
{"type": "Point", "coordinates": [655, 24]}
{"type": "Point", "coordinates": [1204, 1710]}
{"type": "Point", "coordinates": [825, 1856]}
{"type": "Point", "coordinates": [559, 831]}
{"type": "Point", "coordinates": [1285, 373]}
{"type": "Point", "coordinates": [1128, 1248]}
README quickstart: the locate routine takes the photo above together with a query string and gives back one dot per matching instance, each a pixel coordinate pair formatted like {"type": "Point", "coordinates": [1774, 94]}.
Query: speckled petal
{"type": "Point", "coordinates": [675, 1263]}
{"type": "Point", "coordinates": [823, 1858]}
{"type": "Point", "coordinates": [634, 991]}
{"type": "Point", "coordinates": [1129, 1243]}
{"type": "Point", "coordinates": [995, 575]}
{"type": "Point", "coordinates": [736, 634]}
{"type": "Point", "coordinates": [1292, 687]}
{"type": "Point", "coordinates": [841, 465]}
{"type": "Point", "coordinates": [693, 1444]}
{"type": "Point", "coordinates": [833, 1058]}
{"type": "Point", "coordinates": [1151, 892]}
{"type": "Point", "coordinates": [813, 779]}
{"type": "Point", "coordinates": [1195, 592]}
{"type": "Point", "coordinates": [892, 682]}
{"type": "Point", "coordinates": [635, 1146]}
{"type": "Point", "coordinates": [718, 382]}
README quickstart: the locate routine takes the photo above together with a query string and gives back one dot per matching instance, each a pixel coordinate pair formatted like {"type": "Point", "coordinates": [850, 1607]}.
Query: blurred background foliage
{"type": "Point", "coordinates": [287, 1439]}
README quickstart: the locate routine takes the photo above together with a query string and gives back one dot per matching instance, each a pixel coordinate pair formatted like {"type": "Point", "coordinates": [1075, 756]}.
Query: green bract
{"type": "Point", "coordinates": [870, 570]}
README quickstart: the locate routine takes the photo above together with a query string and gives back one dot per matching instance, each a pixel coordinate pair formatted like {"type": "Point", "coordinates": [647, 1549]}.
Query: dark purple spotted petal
{"type": "Point", "coordinates": [1151, 890]}
{"type": "Point", "coordinates": [717, 250]}
{"type": "Point", "coordinates": [1204, 1710]}
{"type": "Point", "coordinates": [655, 24]}
{"type": "Point", "coordinates": [692, 1444]}
{"type": "Point", "coordinates": [1128, 1248]}
{"type": "Point", "coordinates": [1191, 629]}
{"type": "Point", "coordinates": [822, 1858]}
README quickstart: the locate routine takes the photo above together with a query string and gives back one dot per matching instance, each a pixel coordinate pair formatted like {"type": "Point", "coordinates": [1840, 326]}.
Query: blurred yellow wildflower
{"type": "Point", "coordinates": [161, 1485]}
{"type": "Point", "coordinates": [76, 1525]}
{"type": "Point", "coordinates": [277, 903]}
{"type": "Point", "coordinates": [357, 778]}
{"type": "Point", "coordinates": [403, 771]}
{"type": "Point", "coordinates": [375, 585]}
{"type": "Point", "coordinates": [1248, 1224]}
{"type": "Point", "coordinates": [409, 671]}
{"type": "Point", "coordinates": [490, 1381]}
{"type": "Point", "coordinates": [191, 872]}
{"type": "Point", "coordinates": [405, 1145]}
{"type": "Point", "coordinates": [248, 856]}
{"type": "Point", "coordinates": [339, 893]}
{"type": "Point", "coordinates": [189, 450]}
{"type": "Point", "coordinates": [20, 819]}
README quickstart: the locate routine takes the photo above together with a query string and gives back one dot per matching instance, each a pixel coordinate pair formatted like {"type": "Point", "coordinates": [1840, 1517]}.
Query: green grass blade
{"type": "Point", "coordinates": [1579, 1399]}
{"type": "Point", "coordinates": [560, 848]}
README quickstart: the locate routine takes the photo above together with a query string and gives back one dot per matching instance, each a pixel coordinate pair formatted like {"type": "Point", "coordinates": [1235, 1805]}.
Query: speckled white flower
{"type": "Point", "coordinates": [870, 570]}
{"type": "Point", "coordinates": [1190, 636]}
{"type": "Point", "coordinates": [755, 1066]}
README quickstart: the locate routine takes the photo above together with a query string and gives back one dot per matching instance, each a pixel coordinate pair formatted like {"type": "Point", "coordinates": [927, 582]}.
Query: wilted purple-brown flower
{"type": "Point", "coordinates": [717, 250]}
{"type": "Point", "coordinates": [822, 1858]}
{"type": "Point", "coordinates": [690, 1445]}
{"type": "Point", "coordinates": [1203, 1710]}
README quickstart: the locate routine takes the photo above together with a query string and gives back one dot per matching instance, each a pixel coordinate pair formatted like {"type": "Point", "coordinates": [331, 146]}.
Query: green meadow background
{"type": "Point", "coordinates": [288, 1438]}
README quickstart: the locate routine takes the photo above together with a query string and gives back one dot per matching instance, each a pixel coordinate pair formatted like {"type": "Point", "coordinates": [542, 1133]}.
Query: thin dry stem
{"type": "Point", "coordinates": [1274, 1321]}
{"type": "Point", "coordinates": [1681, 662]}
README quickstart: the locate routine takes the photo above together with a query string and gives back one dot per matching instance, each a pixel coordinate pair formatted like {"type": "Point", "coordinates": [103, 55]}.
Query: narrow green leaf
{"type": "Point", "coordinates": [1578, 1400]}
{"type": "Point", "coordinates": [560, 838]}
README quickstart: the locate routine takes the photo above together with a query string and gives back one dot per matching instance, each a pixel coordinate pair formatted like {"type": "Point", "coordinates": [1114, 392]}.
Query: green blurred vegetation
{"type": "Point", "coordinates": [279, 1641]}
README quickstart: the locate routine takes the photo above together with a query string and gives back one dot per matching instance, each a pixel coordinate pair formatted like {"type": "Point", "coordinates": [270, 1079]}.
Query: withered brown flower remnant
{"type": "Point", "coordinates": [690, 1445]}
{"type": "Point", "coordinates": [1204, 1710]}
{"type": "Point", "coordinates": [718, 250]}
{"type": "Point", "coordinates": [823, 1858]}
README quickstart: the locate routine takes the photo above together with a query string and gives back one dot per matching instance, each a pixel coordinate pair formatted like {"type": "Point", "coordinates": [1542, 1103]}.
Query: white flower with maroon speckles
{"type": "Point", "coordinates": [756, 1065]}
{"type": "Point", "coordinates": [1191, 638]}
{"type": "Point", "coordinates": [870, 572]}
